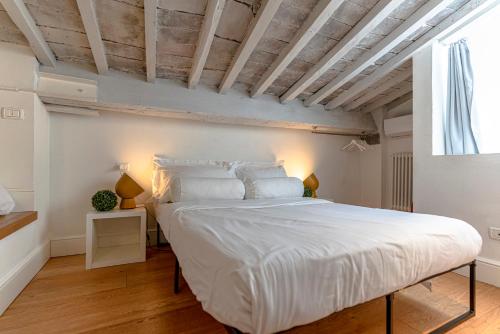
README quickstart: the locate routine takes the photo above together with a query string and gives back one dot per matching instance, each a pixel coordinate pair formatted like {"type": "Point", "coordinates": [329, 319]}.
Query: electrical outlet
{"type": "Point", "coordinates": [495, 233]}
{"type": "Point", "coordinates": [124, 167]}
{"type": "Point", "coordinates": [12, 113]}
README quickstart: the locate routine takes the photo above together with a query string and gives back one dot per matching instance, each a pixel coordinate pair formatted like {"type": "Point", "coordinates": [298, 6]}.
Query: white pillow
{"type": "Point", "coordinates": [162, 177]}
{"type": "Point", "coordinates": [196, 188]}
{"type": "Point", "coordinates": [6, 202]}
{"type": "Point", "coordinates": [259, 172]}
{"type": "Point", "coordinates": [277, 187]}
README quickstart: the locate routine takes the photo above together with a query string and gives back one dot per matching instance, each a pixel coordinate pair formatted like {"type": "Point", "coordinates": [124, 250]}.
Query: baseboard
{"type": "Point", "coordinates": [74, 245]}
{"type": "Point", "coordinates": [65, 246]}
{"type": "Point", "coordinates": [487, 271]}
{"type": "Point", "coordinates": [12, 283]}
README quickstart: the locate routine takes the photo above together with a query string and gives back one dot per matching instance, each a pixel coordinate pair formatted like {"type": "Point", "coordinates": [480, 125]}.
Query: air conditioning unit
{"type": "Point", "coordinates": [55, 86]}
{"type": "Point", "coordinates": [399, 126]}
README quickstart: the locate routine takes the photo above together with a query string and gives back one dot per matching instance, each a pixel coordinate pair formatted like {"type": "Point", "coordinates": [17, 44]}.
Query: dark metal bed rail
{"type": "Point", "coordinates": [389, 317]}
{"type": "Point", "coordinates": [449, 324]}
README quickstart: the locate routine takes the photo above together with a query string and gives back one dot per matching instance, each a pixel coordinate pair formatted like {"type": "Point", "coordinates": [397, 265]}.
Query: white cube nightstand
{"type": "Point", "coordinates": [115, 237]}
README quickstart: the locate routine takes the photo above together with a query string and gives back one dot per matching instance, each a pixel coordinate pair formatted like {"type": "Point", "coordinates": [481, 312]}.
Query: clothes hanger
{"type": "Point", "coordinates": [354, 146]}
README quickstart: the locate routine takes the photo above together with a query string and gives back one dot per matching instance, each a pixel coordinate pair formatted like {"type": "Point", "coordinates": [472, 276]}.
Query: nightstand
{"type": "Point", "coordinates": [115, 237]}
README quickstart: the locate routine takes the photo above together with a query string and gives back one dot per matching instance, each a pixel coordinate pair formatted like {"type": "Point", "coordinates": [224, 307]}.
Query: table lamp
{"type": "Point", "coordinates": [312, 183]}
{"type": "Point", "coordinates": [127, 189]}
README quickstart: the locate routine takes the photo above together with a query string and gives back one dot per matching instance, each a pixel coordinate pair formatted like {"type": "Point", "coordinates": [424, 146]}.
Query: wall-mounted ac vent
{"type": "Point", "coordinates": [399, 126]}
{"type": "Point", "coordinates": [55, 86]}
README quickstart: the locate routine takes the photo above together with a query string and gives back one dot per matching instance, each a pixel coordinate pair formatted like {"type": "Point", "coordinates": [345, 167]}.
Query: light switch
{"type": "Point", "coordinates": [13, 113]}
{"type": "Point", "coordinates": [494, 233]}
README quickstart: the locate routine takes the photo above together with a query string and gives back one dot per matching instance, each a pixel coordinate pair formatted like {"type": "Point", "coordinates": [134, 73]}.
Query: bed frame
{"type": "Point", "coordinates": [389, 314]}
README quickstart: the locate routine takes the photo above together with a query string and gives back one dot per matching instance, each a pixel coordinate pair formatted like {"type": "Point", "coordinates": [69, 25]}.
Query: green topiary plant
{"type": "Point", "coordinates": [308, 192]}
{"type": "Point", "coordinates": [104, 200]}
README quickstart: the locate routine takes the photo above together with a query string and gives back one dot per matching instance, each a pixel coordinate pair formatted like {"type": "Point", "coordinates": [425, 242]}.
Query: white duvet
{"type": "Point", "coordinates": [264, 266]}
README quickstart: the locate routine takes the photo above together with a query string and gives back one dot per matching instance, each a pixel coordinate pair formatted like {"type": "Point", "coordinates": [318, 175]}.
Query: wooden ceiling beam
{"type": "Point", "coordinates": [369, 22]}
{"type": "Point", "coordinates": [468, 11]}
{"type": "Point", "coordinates": [22, 19]}
{"type": "Point", "coordinates": [398, 78]}
{"type": "Point", "coordinates": [318, 17]}
{"type": "Point", "coordinates": [399, 101]}
{"type": "Point", "coordinates": [384, 100]}
{"type": "Point", "coordinates": [121, 92]}
{"type": "Point", "coordinates": [150, 35]}
{"type": "Point", "coordinates": [398, 35]}
{"type": "Point", "coordinates": [89, 19]}
{"type": "Point", "coordinates": [255, 32]}
{"type": "Point", "coordinates": [213, 14]}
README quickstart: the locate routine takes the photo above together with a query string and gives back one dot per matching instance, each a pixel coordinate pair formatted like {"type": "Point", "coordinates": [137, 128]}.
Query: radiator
{"type": "Point", "coordinates": [402, 181]}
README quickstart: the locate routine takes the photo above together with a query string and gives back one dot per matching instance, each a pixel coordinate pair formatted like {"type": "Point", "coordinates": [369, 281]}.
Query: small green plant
{"type": "Point", "coordinates": [104, 200]}
{"type": "Point", "coordinates": [308, 192]}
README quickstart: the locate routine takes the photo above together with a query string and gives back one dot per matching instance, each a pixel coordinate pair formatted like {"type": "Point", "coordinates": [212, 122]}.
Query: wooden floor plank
{"type": "Point", "coordinates": [187, 320]}
{"type": "Point", "coordinates": [484, 324]}
{"type": "Point", "coordinates": [138, 298]}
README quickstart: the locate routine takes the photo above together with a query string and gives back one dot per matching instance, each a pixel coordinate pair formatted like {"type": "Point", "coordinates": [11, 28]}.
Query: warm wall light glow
{"type": "Point", "coordinates": [297, 163]}
{"type": "Point", "coordinates": [298, 172]}
{"type": "Point", "coordinates": [140, 169]}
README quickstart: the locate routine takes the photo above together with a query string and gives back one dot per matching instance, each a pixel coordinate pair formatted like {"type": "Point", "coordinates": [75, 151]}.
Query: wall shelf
{"type": "Point", "coordinates": [14, 221]}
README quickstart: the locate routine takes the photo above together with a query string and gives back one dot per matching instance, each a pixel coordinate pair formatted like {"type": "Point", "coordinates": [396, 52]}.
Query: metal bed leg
{"type": "Point", "coordinates": [159, 244]}
{"type": "Point", "coordinates": [232, 330]}
{"type": "Point", "coordinates": [176, 276]}
{"type": "Point", "coordinates": [472, 288]}
{"type": "Point", "coordinates": [472, 304]}
{"type": "Point", "coordinates": [157, 235]}
{"type": "Point", "coordinates": [389, 315]}
{"type": "Point", "coordinates": [450, 324]}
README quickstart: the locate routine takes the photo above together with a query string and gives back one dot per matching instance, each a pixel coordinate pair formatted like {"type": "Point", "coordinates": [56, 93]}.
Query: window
{"type": "Point", "coordinates": [482, 37]}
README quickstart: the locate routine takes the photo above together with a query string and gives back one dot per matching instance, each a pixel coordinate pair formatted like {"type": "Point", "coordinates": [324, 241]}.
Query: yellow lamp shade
{"type": "Point", "coordinates": [312, 183]}
{"type": "Point", "coordinates": [127, 189]}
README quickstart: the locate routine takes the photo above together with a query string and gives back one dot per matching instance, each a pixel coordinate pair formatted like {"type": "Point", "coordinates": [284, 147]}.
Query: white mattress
{"type": "Point", "coordinates": [264, 266]}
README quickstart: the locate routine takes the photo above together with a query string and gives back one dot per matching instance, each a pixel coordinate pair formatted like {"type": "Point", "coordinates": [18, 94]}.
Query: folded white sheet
{"type": "Point", "coordinates": [264, 266]}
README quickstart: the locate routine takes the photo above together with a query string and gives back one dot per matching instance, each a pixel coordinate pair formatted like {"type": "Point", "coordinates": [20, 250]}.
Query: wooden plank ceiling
{"type": "Point", "coordinates": [334, 53]}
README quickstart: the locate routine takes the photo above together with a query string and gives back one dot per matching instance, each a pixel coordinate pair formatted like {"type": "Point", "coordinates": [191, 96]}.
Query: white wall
{"type": "Point", "coordinates": [371, 176]}
{"type": "Point", "coordinates": [463, 187]}
{"type": "Point", "coordinates": [85, 151]}
{"type": "Point", "coordinates": [17, 81]}
{"type": "Point", "coordinates": [24, 170]}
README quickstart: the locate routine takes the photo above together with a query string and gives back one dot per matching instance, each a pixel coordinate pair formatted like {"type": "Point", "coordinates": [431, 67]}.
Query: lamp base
{"type": "Point", "coordinates": [127, 203]}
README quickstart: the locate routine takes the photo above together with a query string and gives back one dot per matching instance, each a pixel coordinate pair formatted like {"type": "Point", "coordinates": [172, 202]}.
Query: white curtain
{"type": "Point", "coordinates": [459, 136]}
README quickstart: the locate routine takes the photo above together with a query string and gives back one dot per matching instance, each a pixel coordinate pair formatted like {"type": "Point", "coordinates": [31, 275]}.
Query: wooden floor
{"type": "Point", "coordinates": [138, 298]}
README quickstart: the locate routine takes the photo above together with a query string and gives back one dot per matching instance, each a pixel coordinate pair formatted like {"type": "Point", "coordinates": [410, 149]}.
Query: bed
{"type": "Point", "coordinates": [263, 266]}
